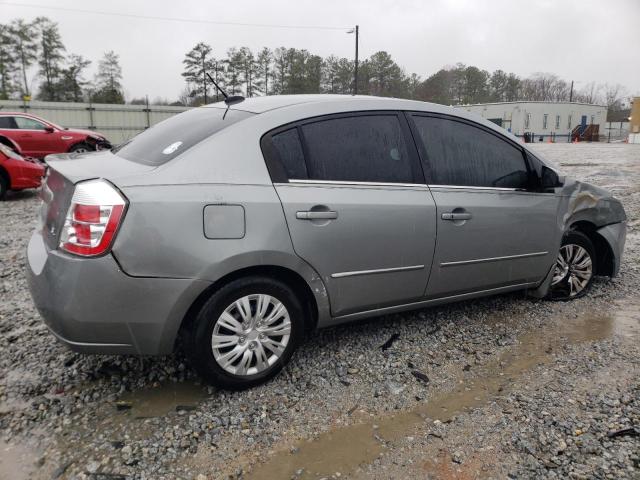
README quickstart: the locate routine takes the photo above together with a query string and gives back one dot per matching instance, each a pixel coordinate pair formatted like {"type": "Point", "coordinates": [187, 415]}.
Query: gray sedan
{"type": "Point", "coordinates": [240, 227]}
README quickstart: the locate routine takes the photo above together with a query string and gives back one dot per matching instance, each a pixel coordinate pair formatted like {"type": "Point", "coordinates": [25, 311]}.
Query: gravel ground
{"type": "Point", "coordinates": [493, 388]}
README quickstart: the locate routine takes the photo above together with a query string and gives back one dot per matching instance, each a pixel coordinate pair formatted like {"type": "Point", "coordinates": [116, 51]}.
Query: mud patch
{"type": "Point", "coordinates": [345, 449]}
{"type": "Point", "coordinates": [163, 399]}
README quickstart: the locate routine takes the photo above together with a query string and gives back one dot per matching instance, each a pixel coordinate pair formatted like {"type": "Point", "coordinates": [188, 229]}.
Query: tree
{"type": "Point", "coordinates": [50, 58]}
{"type": "Point", "coordinates": [8, 63]}
{"type": "Point", "coordinates": [614, 95]}
{"type": "Point", "coordinates": [197, 62]}
{"type": "Point", "coordinates": [387, 78]}
{"type": "Point", "coordinates": [72, 83]}
{"type": "Point", "coordinates": [263, 71]}
{"type": "Point", "coordinates": [247, 70]}
{"type": "Point", "coordinates": [25, 44]}
{"type": "Point", "coordinates": [108, 80]}
{"type": "Point", "coordinates": [233, 69]}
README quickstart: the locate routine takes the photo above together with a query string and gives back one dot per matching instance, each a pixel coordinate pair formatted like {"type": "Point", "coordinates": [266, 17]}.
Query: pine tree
{"type": "Point", "coordinates": [72, 84]}
{"type": "Point", "coordinates": [50, 58]}
{"type": "Point", "coordinates": [197, 62]}
{"type": "Point", "coordinates": [8, 63]}
{"type": "Point", "coordinates": [25, 43]}
{"type": "Point", "coordinates": [108, 80]}
{"type": "Point", "coordinates": [264, 72]}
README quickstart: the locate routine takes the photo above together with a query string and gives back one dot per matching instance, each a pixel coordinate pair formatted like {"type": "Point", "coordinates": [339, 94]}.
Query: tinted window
{"type": "Point", "coordinates": [7, 122]}
{"type": "Point", "coordinates": [289, 149]}
{"type": "Point", "coordinates": [174, 136]}
{"type": "Point", "coordinates": [25, 123]}
{"type": "Point", "coordinates": [366, 148]}
{"type": "Point", "coordinates": [461, 154]}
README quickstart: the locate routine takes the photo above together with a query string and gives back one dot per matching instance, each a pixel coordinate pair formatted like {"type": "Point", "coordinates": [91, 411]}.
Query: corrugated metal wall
{"type": "Point", "coordinates": [117, 122]}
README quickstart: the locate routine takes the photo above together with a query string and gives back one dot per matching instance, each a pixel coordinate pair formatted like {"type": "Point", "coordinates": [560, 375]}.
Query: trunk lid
{"type": "Point", "coordinates": [68, 169]}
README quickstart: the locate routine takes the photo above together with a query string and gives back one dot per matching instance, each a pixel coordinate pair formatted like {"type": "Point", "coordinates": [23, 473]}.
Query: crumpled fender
{"type": "Point", "coordinates": [581, 201]}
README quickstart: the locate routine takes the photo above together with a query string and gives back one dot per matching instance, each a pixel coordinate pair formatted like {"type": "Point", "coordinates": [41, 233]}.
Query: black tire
{"type": "Point", "coordinates": [4, 186]}
{"type": "Point", "coordinates": [197, 339]}
{"type": "Point", "coordinates": [81, 148]}
{"type": "Point", "coordinates": [562, 290]}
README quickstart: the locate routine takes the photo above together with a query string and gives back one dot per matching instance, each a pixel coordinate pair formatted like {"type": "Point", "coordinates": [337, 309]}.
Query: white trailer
{"type": "Point", "coordinates": [542, 120]}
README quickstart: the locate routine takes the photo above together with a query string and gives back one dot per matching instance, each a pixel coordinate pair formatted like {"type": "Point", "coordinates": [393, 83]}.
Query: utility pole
{"type": "Point", "coordinates": [571, 93]}
{"type": "Point", "coordinates": [204, 79]}
{"type": "Point", "coordinates": [355, 73]}
{"type": "Point", "coordinates": [355, 89]}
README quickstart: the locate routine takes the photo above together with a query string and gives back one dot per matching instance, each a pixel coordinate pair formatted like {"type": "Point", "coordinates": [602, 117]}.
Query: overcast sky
{"type": "Point", "coordinates": [583, 40]}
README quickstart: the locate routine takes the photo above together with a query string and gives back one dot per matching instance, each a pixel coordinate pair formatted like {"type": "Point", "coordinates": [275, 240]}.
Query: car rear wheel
{"type": "Point", "coordinates": [245, 333]}
{"type": "Point", "coordinates": [574, 269]}
{"type": "Point", "coordinates": [81, 148]}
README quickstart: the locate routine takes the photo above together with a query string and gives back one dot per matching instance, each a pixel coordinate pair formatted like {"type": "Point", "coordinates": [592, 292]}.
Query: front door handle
{"type": "Point", "coordinates": [316, 215]}
{"type": "Point", "coordinates": [456, 216]}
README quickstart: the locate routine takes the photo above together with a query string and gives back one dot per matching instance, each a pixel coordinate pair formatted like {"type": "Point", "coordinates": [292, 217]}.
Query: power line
{"type": "Point", "coordinates": [174, 19]}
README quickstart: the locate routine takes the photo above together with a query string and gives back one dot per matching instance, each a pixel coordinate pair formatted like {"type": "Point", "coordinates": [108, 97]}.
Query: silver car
{"type": "Point", "coordinates": [240, 227]}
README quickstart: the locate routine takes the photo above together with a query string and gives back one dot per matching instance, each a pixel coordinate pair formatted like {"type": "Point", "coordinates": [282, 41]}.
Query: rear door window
{"type": "Point", "coordinates": [460, 154]}
{"type": "Point", "coordinates": [172, 137]}
{"type": "Point", "coordinates": [289, 150]}
{"type": "Point", "coordinates": [360, 148]}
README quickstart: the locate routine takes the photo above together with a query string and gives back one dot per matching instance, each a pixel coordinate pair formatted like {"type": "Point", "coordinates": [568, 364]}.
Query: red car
{"type": "Point", "coordinates": [38, 137]}
{"type": "Point", "coordinates": [17, 172]}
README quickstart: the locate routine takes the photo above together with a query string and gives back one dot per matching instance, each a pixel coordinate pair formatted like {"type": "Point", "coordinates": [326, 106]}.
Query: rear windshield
{"type": "Point", "coordinates": [174, 136]}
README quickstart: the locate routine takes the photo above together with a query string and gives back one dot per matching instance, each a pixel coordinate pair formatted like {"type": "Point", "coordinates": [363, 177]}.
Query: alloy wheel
{"type": "Point", "coordinates": [251, 334]}
{"type": "Point", "coordinates": [573, 269]}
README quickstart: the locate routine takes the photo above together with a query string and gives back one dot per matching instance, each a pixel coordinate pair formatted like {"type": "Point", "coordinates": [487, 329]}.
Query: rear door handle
{"type": "Point", "coordinates": [316, 215]}
{"type": "Point", "coordinates": [456, 216]}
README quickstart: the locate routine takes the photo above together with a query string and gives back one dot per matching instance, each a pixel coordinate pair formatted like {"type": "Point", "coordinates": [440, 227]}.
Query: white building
{"type": "Point", "coordinates": [542, 119]}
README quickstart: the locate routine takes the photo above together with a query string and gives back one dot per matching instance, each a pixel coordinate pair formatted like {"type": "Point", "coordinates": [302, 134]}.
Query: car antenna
{"type": "Point", "coordinates": [229, 100]}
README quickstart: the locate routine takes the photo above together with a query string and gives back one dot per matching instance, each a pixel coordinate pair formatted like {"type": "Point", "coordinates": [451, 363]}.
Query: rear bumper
{"type": "Point", "coordinates": [91, 306]}
{"type": "Point", "coordinates": [615, 236]}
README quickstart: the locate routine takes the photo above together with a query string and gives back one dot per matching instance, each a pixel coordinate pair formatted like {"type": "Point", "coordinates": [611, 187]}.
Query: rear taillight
{"type": "Point", "coordinates": [93, 218]}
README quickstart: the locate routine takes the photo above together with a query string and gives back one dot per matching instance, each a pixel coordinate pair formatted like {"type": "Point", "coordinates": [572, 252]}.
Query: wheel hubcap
{"type": "Point", "coordinates": [251, 334]}
{"type": "Point", "coordinates": [573, 269]}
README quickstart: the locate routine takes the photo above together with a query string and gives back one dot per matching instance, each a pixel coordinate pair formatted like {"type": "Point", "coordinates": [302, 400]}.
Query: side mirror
{"type": "Point", "coordinates": [549, 179]}
{"type": "Point", "coordinates": [49, 129]}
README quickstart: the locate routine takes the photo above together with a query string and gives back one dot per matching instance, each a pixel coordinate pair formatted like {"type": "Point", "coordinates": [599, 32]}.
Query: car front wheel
{"type": "Point", "coordinates": [574, 269]}
{"type": "Point", "coordinates": [245, 333]}
{"type": "Point", "coordinates": [81, 148]}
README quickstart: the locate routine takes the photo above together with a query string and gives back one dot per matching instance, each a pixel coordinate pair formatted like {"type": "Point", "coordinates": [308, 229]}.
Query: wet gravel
{"type": "Point", "coordinates": [76, 416]}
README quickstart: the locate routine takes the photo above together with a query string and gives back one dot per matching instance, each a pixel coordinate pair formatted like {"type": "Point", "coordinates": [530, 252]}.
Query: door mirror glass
{"type": "Point", "coordinates": [549, 178]}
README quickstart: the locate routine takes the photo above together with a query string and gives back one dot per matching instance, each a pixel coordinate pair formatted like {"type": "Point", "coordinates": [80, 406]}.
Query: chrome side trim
{"type": "Point", "coordinates": [492, 259]}
{"type": "Point", "coordinates": [463, 187]}
{"type": "Point", "coordinates": [380, 270]}
{"type": "Point", "coordinates": [354, 183]}
{"type": "Point", "coordinates": [423, 303]}
{"type": "Point", "coordinates": [88, 344]}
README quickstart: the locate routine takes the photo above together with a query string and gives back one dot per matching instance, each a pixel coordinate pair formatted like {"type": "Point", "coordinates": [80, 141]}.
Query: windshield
{"type": "Point", "coordinates": [174, 136]}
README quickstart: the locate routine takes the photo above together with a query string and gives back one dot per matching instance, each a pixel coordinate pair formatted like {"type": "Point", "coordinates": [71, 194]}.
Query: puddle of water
{"type": "Point", "coordinates": [160, 400]}
{"type": "Point", "coordinates": [344, 449]}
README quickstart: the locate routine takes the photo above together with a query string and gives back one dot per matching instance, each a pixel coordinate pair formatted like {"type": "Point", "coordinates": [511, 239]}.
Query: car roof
{"type": "Point", "coordinates": [307, 105]}
{"type": "Point", "coordinates": [272, 102]}
{"type": "Point", "coordinates": [4, 114]}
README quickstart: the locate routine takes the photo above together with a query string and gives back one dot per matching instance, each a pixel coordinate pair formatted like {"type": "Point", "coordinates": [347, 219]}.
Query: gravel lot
{"type": "Point", "coordinates": [493, 388]}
